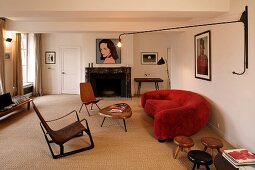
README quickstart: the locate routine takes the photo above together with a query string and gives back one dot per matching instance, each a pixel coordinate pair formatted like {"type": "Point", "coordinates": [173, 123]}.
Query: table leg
{"type": "Point", "coordinates": [102, 122]}
{"type": "Point", "coordinates": [125, 125]}
{"type": "Point", "coordinates": [28, 105]}
{"type": "Point", "coordinates": [139, 88]}
{"type": "Point", "coordinates": [156, 85]}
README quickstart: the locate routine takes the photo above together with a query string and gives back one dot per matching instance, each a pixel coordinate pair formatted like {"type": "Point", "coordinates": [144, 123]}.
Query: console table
{"type": "Point", "coordinates": [17, 107]}
{"type": "Point", "coordinates": [140, 80]}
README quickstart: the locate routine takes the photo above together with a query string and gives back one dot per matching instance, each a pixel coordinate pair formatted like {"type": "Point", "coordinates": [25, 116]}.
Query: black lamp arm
{"type": "Point", "coordinates": [243, 19]}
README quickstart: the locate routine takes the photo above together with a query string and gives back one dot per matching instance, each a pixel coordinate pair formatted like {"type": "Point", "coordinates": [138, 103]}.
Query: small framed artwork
{"type": "Point", "coordinates": [203, 55]}
{"type": "Point", "coordinates": [149, 57]}
{"type": "Point", "coordinates": [107, 51]}
{"type": "Point", "coordinates": [50, 57]}
{"type": "Point", "coordinates": [7, 56]}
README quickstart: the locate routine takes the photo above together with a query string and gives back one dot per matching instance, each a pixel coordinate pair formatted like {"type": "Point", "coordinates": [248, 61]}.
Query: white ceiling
{"type": "Point", "coordinates": [101, 15]}
{"type": "Point", "coordinates": [98, 16]}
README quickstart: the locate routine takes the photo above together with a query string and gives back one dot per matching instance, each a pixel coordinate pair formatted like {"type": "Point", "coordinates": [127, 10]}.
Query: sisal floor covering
{"type": "Point", "coordinates": [23, 146]}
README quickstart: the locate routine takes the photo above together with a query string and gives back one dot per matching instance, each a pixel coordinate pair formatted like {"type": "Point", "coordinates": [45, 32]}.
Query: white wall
{"type": "Point", "coordinates": [231, 96]}
{"type": "Point", "coordinates": [130, 55]}
{"type": "Point", "coordinates": [87, 44]}
{"type": "Point", "coordinates": [152, 42]}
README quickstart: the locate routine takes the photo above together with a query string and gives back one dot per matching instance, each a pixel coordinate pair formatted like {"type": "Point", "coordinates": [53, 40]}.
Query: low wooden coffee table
{"type": "Point", "coordinates": [125, 114]}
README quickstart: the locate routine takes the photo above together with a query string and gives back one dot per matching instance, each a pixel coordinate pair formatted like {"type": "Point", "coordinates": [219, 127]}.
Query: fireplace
{"type": "Point", "coordinates": [110, 81]}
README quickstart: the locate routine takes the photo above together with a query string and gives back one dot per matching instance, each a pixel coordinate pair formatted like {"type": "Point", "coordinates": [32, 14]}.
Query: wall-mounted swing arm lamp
{"type": "Point", "coordinates": [163, 61]}
{"type": "Point", "coordinates": [243, 19]}
{"type": "Point", "coordinates": [8, 40]}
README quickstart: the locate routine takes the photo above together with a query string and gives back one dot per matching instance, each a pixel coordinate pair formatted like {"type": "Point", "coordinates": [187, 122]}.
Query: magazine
{"type": "Point", "coordinates": [120, 107]}
{"type": "Point", "coordinates": [240, 166]}
{"type": "Point", "coordinates": [240, 156]}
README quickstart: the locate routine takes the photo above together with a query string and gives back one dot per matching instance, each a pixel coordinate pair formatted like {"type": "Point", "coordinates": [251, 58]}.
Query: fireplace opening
{"type": "Point", "coordinates": [110, 81]}
{"type": "Point", "coordinates": [108, 87]}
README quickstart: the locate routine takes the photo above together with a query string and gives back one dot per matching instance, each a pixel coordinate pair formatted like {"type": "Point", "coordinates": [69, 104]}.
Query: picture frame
{"type": "Point", "coordinates": [149, 58]}
{"type": "Point", "coordinates": [7, 56]}
{"type": "Point", "coordinates": [50, 57]}
{"type": "Point", "coordinates": [203, 55]}
{"type": "Point", "coordinates": [102, 57]}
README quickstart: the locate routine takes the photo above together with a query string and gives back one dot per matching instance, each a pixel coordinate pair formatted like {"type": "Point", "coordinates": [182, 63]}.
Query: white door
{"type": "Point", "coordinates": [70, 70]}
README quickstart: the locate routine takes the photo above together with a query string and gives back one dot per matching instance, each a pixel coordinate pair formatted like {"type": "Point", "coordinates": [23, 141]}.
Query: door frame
{"type": "Point", "coordinates": [169, 66]}
{"type": "Point", "coordinates": [61, 48]}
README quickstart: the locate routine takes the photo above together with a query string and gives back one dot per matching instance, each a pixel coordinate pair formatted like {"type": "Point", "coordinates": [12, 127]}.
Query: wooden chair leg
{"type": "Point", "coordinates": [87, 109]}
{"type": "Point", "coordinates": [81, 107]}
{"type": "Point", "coordinates": [97, 106]}
{"type": "Point", "coordinates": [177, 151]}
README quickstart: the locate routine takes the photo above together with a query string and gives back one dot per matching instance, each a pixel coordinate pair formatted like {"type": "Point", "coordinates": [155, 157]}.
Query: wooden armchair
{"type": "Point", "coordinates": [64, 134]}
{"type": "Point", "coordinates": [87, 96]}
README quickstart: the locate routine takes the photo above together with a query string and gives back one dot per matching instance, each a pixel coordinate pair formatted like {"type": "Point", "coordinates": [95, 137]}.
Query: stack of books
{"type": "Point", "coordinates": [117, 108]}
{"type": "Point", "coordinates": [240, 158]}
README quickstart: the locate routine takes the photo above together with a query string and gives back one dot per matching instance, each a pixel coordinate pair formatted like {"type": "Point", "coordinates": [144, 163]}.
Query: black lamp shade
{"type": "Point", "coordinates": [161, 61]}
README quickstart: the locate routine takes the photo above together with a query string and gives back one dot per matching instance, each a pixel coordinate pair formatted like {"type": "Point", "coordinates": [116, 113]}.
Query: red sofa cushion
{"type": "Point", "coordinates": [153, 106]}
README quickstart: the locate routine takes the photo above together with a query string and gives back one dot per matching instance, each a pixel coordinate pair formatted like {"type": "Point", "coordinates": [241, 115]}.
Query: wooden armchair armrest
{"type": "Point", "coordinates": [74, 111]}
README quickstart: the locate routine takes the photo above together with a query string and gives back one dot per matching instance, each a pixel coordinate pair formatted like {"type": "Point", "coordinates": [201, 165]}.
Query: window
{"type": "Point", "coordinates": [24, 57]}
{"type": "Point", "coordinates": [28, 58]}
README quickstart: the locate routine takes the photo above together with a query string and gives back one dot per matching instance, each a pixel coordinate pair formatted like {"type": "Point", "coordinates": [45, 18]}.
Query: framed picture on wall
{"type": "Point", "coordinates": [107, 51]}
{"type": "Point", "coordinates": [7, 56]}
{"type": "Point", "coordinates": [203, 55]}
{"type": "Point", "coordinates": [149, 57]}
{"type": "Point", "coordinates": [50, 57]}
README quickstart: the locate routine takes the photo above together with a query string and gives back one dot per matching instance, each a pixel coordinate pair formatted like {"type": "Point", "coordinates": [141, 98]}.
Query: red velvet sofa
{"type": "Point", "coordinates": [176, 112]}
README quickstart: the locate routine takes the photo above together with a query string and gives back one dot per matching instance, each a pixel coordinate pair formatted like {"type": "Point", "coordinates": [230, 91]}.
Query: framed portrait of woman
{"type": "Point", "coordinates": [107, 51]}
{"type": "Point", "coordinates": [203, 55]}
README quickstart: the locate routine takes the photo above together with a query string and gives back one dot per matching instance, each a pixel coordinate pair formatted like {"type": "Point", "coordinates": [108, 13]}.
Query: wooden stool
{"type": "Point", "coordinates": [212, 143]}
{"type": "Point", "coordinates": [182, 142]}
{"type": "Point", "coordinates": [200, 158]}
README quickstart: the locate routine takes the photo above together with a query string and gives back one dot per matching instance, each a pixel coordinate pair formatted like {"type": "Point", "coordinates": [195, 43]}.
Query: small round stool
{"type": "Point", "coordinates": [212, 143]}
{"type": "Point", "coordinates": [182, 142]}
{"type": "Point", "coordinates": [200, 158]}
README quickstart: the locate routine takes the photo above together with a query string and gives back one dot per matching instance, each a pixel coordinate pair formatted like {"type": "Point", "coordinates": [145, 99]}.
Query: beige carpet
{"type": "Point", "coordinates": [23, 146]}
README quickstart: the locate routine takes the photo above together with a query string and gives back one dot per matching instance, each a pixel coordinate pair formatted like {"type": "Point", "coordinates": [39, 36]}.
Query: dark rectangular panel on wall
{"type": "Point", "coordinates": [110, 81]}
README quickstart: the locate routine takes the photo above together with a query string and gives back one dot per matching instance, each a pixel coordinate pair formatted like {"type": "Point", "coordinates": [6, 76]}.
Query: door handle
{"type": "Point", "coordinates": [63, 73]}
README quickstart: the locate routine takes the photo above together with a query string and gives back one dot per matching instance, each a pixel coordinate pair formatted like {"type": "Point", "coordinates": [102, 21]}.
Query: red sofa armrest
{"type": "Point", "coordinates": [178, 121]}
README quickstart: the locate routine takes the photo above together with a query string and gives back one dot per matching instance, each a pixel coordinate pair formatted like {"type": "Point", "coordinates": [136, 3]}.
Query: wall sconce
{"type": "Point", "coordinates": [8, 40]}
{"type": "Point", "coordinates": [243, 19]}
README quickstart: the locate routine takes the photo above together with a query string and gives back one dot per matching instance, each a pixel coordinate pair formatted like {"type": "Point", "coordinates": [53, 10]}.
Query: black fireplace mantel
{"type": "Point", "coordinates": [106, 74]}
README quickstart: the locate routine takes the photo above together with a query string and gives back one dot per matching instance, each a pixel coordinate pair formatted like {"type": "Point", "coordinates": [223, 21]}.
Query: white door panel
{"type": "Point", "coordinates": [70, 70]}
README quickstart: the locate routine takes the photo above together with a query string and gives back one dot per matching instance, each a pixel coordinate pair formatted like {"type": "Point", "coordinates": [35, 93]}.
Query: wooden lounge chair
{"type": "Point", "coordinates": [61, 136]}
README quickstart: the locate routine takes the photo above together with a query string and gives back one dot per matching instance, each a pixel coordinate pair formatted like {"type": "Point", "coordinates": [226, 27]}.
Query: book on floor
{"type": "Point", "coordinates": [240, 166]}
{"type": "Point", "coordinates": [240, 155]}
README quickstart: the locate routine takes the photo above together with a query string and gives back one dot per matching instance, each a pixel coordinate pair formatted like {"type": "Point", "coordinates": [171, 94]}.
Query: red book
{"type": "Point", "coordinates": [241, 155]}
{"type": "Point", "coordinates": [117, 107]}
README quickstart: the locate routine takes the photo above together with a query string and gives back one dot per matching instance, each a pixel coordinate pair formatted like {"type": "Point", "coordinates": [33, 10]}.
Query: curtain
{"type": "Point", "coordinates": [17, 66]}
{"type": "Point", "coordinates": [2, 77]}
{"type": "Point", "coordinates": [38, 66]}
